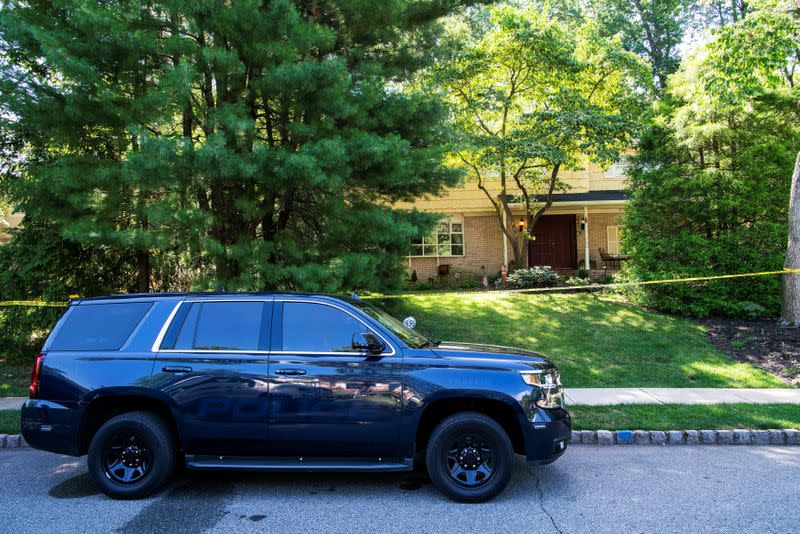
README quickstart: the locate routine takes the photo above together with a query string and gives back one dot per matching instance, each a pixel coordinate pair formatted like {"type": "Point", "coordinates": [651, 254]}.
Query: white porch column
{"type": "Point", "coordinates": [586, 238]}
{"type": "Point", "coordinates": [505, 241]}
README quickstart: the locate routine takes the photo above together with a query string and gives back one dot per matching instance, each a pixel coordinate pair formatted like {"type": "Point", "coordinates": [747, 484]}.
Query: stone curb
{"type": "Point", "coordinates": [785, 436]}
{"type": "Point", "coordinates": [12, 441]}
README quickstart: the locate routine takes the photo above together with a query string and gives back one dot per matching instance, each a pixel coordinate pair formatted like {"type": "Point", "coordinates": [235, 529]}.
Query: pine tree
{"type": "Point", "coordinates": [254, 145]}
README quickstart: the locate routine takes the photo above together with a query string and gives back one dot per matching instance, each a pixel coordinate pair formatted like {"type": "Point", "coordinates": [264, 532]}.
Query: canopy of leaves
{"type": "Point", "coordinates": [247, 145]}
{"type": "Point", "coordinates": [711, 187]}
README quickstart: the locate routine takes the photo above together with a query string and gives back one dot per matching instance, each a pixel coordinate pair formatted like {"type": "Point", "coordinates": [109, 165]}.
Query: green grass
{"type": "Point", "coordinates": [681, 417]}
{"type": "Point", "coordinates": [9, 421]}
{"type": "Point", "coordinates": [596, 340]}
{"type": "Point", "coordinates": [14, 380]}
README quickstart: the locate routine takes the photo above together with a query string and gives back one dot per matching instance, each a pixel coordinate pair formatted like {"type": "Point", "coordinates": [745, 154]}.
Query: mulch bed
{"type": "Point", "coordinates": [762, 343]}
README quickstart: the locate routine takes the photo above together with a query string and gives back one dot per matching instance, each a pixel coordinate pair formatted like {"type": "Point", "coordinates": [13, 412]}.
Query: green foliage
{"type": "Point", "coordinates": [577, 281]}
{"type": "Point", "coordinates": [247, 145]}
{"type": "Point", "coordinates": [751, 310]}
{"type": "Point", "coordinates": [650, 28]}
{"type": "Point", "coordinates": [533, 277]}
{"type": "Point", "coordinates": [532, 96]}
{"type": "Point", "coordinates": [470, 283]}
{"type": "Point", "coordinates": [711, 186]}
{"type": "Point", "coordinates": [582, 272]}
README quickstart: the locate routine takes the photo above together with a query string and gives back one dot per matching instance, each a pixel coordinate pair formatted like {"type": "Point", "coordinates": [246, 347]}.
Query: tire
{"type": "Point", "coordinates": [132, 455]}
{"type": "Point", "coordinates": [469, 457]}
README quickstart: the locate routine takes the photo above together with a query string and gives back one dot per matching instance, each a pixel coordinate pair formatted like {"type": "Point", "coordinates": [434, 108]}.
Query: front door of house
{"type": "Point", "coordinates": [555, 243]}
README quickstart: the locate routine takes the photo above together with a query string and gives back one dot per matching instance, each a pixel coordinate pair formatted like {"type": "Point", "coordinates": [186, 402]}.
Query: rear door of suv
{"type": "Point", "coordinates": [213, 362]}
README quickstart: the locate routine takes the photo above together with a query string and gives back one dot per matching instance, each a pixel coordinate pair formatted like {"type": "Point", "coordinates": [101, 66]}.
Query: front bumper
{"type": "Point", "coordinates": [547, 436]}
{"type": "Point", "coordinates": [50, 426]}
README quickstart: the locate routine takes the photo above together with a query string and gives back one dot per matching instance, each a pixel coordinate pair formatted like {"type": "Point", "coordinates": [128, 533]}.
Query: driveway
{"type": "Point", "coordinates": [609, 489]}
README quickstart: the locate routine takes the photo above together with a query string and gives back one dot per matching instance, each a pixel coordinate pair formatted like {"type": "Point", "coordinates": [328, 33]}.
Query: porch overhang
{"type": "Point", "coordinates": [609, 197]}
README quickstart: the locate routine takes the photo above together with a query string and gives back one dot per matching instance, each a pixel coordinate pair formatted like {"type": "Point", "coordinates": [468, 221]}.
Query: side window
{"type": "Point", "coordinates": [221, 326]}
{"type": "Point", "coordinates": [100, 326]}
{"type": "Point", "coordinates": [309, 327]}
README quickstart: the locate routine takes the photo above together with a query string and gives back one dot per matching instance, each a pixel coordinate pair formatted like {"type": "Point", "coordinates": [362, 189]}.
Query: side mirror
{"type": "Point", "coordinates": [410, 322]}
{"type": "Point", "coordinates": [369, 343]}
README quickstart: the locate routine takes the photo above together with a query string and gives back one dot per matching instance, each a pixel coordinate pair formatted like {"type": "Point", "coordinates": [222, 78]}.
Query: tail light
{"type": "Point", "coordinates": [35, 375]}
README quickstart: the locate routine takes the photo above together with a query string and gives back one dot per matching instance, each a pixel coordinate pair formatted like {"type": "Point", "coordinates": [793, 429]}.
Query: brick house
{"type": "Point", "coordinates": [8, 220]}
{"type": "Point", "coordinates": [569, 235]}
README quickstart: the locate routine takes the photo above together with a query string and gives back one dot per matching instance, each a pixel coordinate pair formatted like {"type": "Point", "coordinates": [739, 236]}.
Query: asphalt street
{"type": "Point", "coordinates": [590, 489]}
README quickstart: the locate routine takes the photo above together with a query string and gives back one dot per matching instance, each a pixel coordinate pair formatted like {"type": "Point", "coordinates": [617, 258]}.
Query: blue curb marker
{"type": "Point", "coordinates": [624, 436]}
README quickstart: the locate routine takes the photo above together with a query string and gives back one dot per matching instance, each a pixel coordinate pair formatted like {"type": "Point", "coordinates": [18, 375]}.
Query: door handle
{"type": "Point", "coordinates": [290, 372]}
{"type": "Point", "coordinates": [177, 369]}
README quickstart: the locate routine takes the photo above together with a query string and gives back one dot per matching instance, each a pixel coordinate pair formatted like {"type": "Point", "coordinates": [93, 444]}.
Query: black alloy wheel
{"type": "Point", "coordinates": [132, 455]}
{"type": "Point", "coordinates": [127, 457]}
{"type": "Point", "coordinates": [469, 457]}
{"type": "Point", "coordinates": [471, 461]}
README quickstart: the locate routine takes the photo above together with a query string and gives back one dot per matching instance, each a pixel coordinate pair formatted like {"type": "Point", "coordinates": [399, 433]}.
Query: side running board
{"type": "Point", "coordinates": [246, 463]}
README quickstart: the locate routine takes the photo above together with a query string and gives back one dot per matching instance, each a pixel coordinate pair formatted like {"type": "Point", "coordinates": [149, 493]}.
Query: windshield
{"type": "Point", "coordinates": [410, 337]}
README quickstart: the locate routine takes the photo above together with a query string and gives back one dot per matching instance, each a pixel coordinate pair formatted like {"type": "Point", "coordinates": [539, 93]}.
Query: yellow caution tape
{"type": "Point", "coordinates": [33, 303]}
{"type": "Point", "coordinates": [594, 286]}
{"type": "Point", "coordinates": [43, 304]}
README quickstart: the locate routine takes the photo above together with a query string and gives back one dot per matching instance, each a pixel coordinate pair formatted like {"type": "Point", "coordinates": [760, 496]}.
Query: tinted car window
{"type": "Point", "coordinates": [228, 326]}
{"type": "Point", "coordinates": [309, 327]}
{"type": "Point", "coordinates": [185, 340]}
{"type": "Point", "coordinates": [100, 326]}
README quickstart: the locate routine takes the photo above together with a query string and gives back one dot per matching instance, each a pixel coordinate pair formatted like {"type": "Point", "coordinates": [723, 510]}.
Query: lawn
{"type": "Point", "coordinates": [681, 417]}
{"type": "Point", "coordinates": [633, 417]}
{"type": "Point", "coordinates": [596, 340]}
{"type": "Point", "coordinates": [9, 421]}
{"type": "Point", "coordinates": [14, 379]}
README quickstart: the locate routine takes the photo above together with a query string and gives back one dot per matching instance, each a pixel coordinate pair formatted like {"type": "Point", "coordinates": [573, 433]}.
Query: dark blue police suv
{"type": "Point", "coordinates": [285, 382]}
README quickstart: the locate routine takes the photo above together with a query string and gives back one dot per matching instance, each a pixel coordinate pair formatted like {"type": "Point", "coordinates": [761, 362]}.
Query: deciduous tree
{"type": "Point", "coordinates": [530, 100]}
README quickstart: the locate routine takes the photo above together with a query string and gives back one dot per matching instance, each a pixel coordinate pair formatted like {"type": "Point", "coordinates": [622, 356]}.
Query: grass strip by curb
{"type": "Point", "coordinates": [9, 421]}
{"type": "Point", "coordinates": [681, 416]}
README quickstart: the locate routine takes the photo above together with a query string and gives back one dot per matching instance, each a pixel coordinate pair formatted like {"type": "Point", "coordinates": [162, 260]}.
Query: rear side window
{"type": "Point", "coordinates": [221, 326]}
{"type": "Point", "coordinates": [100, 326]}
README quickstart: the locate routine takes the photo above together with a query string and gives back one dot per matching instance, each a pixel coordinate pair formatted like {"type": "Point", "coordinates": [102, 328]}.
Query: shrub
{"type": "Point", "coordinates": [533, 277]}
{"type": "Point", "coordinates": [470, 283]}
{"type": "Point", "coordinates": [23, 331]}
{"type": "Point", "coordinates": [751, 310]}
{"type": "Point", "coordinates": [582, 272]}
{"type": "Point", "coordinates": [577, 281]}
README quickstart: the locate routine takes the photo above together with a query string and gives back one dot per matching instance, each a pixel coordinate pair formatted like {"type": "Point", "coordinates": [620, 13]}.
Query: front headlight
{"type": "Point", "coordinates": [549, 382]}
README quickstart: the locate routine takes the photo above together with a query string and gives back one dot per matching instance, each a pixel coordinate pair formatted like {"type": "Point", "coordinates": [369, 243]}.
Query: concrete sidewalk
{"type": "Point", "coordinates": [12, 403]}
{"type": "Point", "coordinates": [606, 396]}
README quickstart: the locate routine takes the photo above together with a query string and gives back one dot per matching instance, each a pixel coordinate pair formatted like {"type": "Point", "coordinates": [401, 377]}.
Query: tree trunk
{"type": "Point", "coordinates": [143, 272]}
{"type": "Point", "coordinates": [790, 313]}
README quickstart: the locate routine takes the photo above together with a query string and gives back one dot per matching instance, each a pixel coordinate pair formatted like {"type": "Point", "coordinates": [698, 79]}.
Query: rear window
{"type": "Point", "coordinates": [100, 326]}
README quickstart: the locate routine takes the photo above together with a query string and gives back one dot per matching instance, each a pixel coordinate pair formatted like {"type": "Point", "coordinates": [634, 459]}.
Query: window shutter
{"type": "Point", "coordinates": [613, 239]}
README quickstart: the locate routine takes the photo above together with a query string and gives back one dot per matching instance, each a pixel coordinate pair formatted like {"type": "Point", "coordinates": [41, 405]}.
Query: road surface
{"type": "Point", "coordinates": [591, 489]}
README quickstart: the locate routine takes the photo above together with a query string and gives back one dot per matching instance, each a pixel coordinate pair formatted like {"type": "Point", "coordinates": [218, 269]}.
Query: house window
{"type": "Point", "coordinates": [615, 239]}
{"type": "Point", "coordinates": [618, 169]}
{"type": "Point", "coordinates": [447, 239]}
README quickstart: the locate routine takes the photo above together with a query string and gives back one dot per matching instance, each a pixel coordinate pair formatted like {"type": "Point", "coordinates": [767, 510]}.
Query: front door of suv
{"type": "Point", "coordinates": [213, 363]}
{"type": "Point", "coordinates": [326, 398]}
